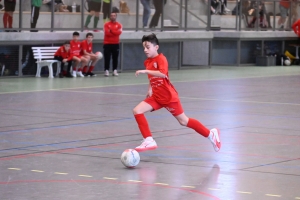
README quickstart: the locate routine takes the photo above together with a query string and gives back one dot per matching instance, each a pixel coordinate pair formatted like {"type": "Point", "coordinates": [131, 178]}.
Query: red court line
{"type": "Point", "coordinates": [109, 181]}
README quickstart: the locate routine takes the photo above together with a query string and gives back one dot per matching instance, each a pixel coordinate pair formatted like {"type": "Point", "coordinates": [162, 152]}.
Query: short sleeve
{"type": "Point", "coordinates": [162, 65]}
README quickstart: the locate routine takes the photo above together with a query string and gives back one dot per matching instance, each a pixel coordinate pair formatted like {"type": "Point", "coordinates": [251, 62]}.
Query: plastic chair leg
{"type": "Point", "coordinates": [50, 70]}
{"type": "Point", "coordinates": [38, 71]}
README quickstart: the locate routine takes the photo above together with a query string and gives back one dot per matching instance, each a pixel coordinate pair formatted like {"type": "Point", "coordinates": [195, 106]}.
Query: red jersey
{"type": "Point", "coordinates": [63, 53]}
{"type": "Point", "coordinates": [86, 46]}
{"type": "Point", "coordinates": [75, 48]}
{"type": "Point", "coordinates": [296, 27]}
{"type": "Point", "coordinates": [162, 89]}
{"type": "Point", "coordinates": [112, 32]}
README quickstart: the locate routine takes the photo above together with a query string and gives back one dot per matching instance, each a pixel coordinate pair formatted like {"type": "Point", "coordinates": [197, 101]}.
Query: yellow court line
{"type": "Point", "coordinates": [132, 84]}
{"type": "Point", "coordinates": [161, 184]}
{"type": "Point", "coordinates": [242, 192]}
{"type": "Point", "coordinates": [213, 189]}
{"type": "Point", "coordinates": [135, 181]}
{"type": "Point", "coordinates": [85, 176]}
{"type": "Point", "coordinates": [14, 168]}
{"type": "Point", "coordinates": [37, 170]}
{"type": "Point", "coordinates": [109, 178]}
{"type": "Point", "coordinates": [273, 195]}
{"type": "Point", "coordinates": [61, 173]}
{"type": "Point", "coordinates": [187, 186]}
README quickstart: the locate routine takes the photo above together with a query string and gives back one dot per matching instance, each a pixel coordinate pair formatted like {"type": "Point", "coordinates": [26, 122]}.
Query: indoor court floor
{"type": "Point", "coordinates": [61, 139]}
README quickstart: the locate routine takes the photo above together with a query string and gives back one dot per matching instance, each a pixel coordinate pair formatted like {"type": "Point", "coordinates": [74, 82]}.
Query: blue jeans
{"type": "Point", "coordinates": [147, 11]}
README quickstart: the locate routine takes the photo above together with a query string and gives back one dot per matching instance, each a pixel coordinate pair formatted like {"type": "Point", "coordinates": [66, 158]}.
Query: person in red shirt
{"type": "Point", "coordinates": [77, 56]}
{"type": "Point", "coordinates": [162, 94]}
{"type": "Point", "coordinates": [296, 27]}
{"type": "Point", "coordinates": [63, 54]}
{"type": "Point", "coordinates": [87, 52]}
{"type": "Point", "coordinates": [112, 32]}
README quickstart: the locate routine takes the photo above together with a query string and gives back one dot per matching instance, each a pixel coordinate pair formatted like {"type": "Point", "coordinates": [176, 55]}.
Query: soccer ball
{"type": "Point", "coordinates": [99, 54]}
{"type": "Point", "coordinates": [130, 158]}
{"type": "Point", "coordinates": [287, 62]}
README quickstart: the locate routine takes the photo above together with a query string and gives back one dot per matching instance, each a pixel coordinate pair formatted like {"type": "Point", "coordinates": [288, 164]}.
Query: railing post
{"type": "Point", "coordinates": [52, 15]}
{"type": "Point", "coordinates": [137, 15]}
{"type": "Point", "coordinates": [185, 15]}
{"type": "Point", "coordinates": [208, 16]}
{"type": "Point", "coordinates": [82, 15]}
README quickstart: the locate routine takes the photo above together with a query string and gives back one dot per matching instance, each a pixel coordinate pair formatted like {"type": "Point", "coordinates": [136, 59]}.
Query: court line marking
{"type": "Point", "coordinates": [194, 98]}
{"type": "Point", "coordinates": [161, 183]}
{"type": "Point", "coordinates": [40, 171]}
{"type": "Point", "coordinates": [273, 195]}
{"type": "Point", "coordinates": [88, 176]}
{"type": "Point", "coordinates": [297, 197]}
{"type": "Point", "coordinates": [136, 181]}
{"type": "Point", "coordinates": [213, 188]}
{"type": "Point", "coordinates": [60, 173]}
{"type": "Point", "coordinates": [242, 192]}
{"type": "Point", "coordinates": [132, 84]}
{"type": "Point", "coordinates": [187, 186]}
{"type": "Point", "coordinates": [109, 178]}
{"type": "Point", "coordinates": [14, 168]}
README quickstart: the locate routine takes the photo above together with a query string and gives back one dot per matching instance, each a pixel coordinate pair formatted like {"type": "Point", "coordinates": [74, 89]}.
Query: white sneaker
{"type": "Point", "coordinates": [74, 74]}
{"type": "Point", "coordinates": [147, 144]}
{"type": "Point", "coordinates": [214, 137]}
{"type": "Point", "coordinates": [80, 74]}
{"type": "Point", "coordinates": [115, 73]}
{"type": "Point", "coordinates": [106, 73]}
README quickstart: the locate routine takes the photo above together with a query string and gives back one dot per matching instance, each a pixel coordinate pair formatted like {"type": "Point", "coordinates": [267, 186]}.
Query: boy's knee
{"type": "Point", "coordinates": [137, 111]}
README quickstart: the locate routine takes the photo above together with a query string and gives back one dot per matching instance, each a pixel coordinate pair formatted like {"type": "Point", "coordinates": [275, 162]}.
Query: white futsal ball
{"type": "Point", "coordinates": [130, 158]}
{"type": "Point", "coordinates": [99, 54]}
{"type": "Point", "coordinates": [287, 62]}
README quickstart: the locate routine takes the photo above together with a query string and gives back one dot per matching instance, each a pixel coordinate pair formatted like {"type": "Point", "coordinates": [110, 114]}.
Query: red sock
{"type": "Point", "coordinates": [143, 125]}
{"type": "Point", "coordinates": [84, 69]}
{"type": "Point", "coordinates": [91, 68]}
{"type": "Point", "coordinates": [74, 68]}
{"type": "Point", "coordinates": [5, 19]}
{"type": "Point", "coordinates": [79, 70]}
{"type": "Point", "coordinates": [10, 21]}
{"type": "Point", "coordinates": [198, 127]}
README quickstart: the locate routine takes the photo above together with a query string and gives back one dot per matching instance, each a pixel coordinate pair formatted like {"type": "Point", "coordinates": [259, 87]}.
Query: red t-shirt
{"type": "Point", "coordinates": [86, 46]}
{"type": "Point", "coordinates": [63, 53]}
{"type": "Point", "coordinates": [75, 48]}
{"type": "Point", "coordinates": [285, 3]}
{"type": "Point", "coordinates": [112, 32]}
{"type": "Point", "coordinates": [162, 89]}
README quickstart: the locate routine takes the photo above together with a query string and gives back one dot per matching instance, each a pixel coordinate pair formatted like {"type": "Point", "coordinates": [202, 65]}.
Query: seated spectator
{"type": "Point", "coordinates": [64, 55]}
{"type": "Point", "coordinates": [9, 8]}
{"type": "Point", "coordinates": [59, 5]}
{"type": "Point", "coordinates": [264, 17]}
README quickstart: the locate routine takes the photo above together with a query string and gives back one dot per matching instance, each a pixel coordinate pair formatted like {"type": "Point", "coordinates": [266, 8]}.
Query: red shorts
{"type": "Point", "coordinates": [78, 56]}
{"type": "Point", "coordinates": [174, 108]}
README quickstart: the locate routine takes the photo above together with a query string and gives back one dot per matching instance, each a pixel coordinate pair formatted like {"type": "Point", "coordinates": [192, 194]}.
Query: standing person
{"type": "Point", "coordinates": [284, 6]}
{"type": "Point", "coordinates": [112, 32]}
{"type": "Point", "coordinates": [158, 5]}
{"type": "Point", "coordinates": [106, 10]}
{"type": "Point", "coordinates": [9, 9]}
{"type": "Point", "coordinates": [63, 54]}
{"type": "Point", "coordinates": [77, 55]}
{"type": "Point", "coordinates": [35, 12]}
{"type": "Point", "coordinates": [94, 9]}
{"type": "Point", "coordinates": [87, 52]}
{"type": "Point", "coordinates": [146, 12]}
{"type": "Point", "coordinates": [162, 94]}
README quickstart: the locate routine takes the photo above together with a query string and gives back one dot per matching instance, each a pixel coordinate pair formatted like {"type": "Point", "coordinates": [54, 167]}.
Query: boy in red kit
{"type": "Point", "coordinates": [162, 94]}
{"type": "Point", "coordinates": [77, 55]}
{"type": "Point", "coordinates": [87, 52]}
{"type": "Point", "coordinates": [63, 54]}
{"type": "Point", "coordinates": [9, 9]}
{"type": "Point", "coordinates": [112, 32]}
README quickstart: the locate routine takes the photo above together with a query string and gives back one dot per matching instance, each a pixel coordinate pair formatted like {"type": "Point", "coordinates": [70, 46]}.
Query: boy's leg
{"type": "Point", "coordinates": [107, 55]}
{"type": "Point", "coordinates": [59, 58]}
{"type": "Point", "coordinates": [148, 142]}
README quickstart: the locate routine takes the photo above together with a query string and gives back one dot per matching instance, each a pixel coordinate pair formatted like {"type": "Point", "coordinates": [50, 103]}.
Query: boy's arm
{"type": "Point", "coordinates": [107, 31]}
{"type": "Point", "coordinates": [150, 72]}
{"type": "Point", "coordinates": [117, 31]}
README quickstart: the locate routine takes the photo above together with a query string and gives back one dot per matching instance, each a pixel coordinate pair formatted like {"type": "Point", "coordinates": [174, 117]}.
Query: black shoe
{"type": "Point", "coordinates": [69, 75]}
{"type": "Point", "coordinates": [91, 74]}
{"type": "Point", "coordinates": [61, 75]}
{"type": "Point", "coordinates": [85, 74]}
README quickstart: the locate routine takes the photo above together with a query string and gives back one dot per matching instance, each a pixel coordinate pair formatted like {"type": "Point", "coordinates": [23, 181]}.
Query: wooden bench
{"type": "Point", "coordinates": [45, 57]}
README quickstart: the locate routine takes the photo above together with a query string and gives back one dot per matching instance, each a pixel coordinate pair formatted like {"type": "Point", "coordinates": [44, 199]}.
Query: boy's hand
{"type": "Point", "coordinates": [140, 72]}
{"type": "Point", "coordinates": [64, 60]}
{"type": "Point", "coordinates": [149, 94]}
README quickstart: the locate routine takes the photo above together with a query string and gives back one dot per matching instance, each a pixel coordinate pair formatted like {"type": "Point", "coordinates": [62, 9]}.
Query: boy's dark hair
{"type": "Point", "coordinates": [75, 33]}
{"type": "Point", "coordinates": [89, 34]}
{"type": "Point", "coordinates": [66, 42]}
{"type": "Point", "coordinates": [150, 38]}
